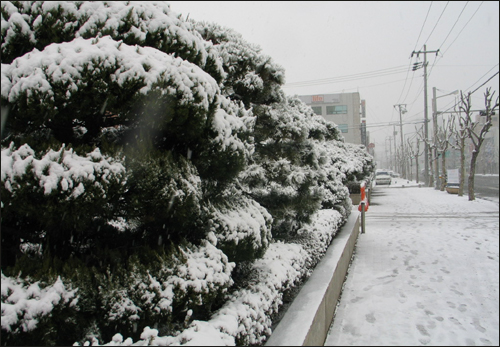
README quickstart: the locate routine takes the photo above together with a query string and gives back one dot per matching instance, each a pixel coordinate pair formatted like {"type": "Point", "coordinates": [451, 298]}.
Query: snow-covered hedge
{"type": "Point", "coordinates": [250, 76]}
{"type": "Point", "coordinates": [37, 24]}
{"type": "Point", "coordinates": [164, 197]}
{"type": "Point", "coordinates": [40, 192]}
{"type": "Point", "coordinates": [28, 306]}
{"type": "Point", "coordinates": [50, 88]}
{"type": "Point", "coordinates": [153, 163]}
{"type": "Point", "coordinates": [246, 317]}
{"type": "Point", "coordinates": [184, 282]}
{"type": "Point", "coordinates": [59, 172]}
{"type": "Point", "coordinates": [240, 226]}
{"type": "Point", "coordinates": [292, 173]}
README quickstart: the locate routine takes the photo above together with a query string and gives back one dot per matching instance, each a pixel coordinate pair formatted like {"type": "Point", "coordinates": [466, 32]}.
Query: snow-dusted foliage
{"type": "Point", "coordinates": [356, 161]}
{"type": "Point", "coordinates": [246, 318]}
{"type": "Point", "coordinates": [229, 146]}
{"type": "Point", "coordinates": [240, 226]}
{"type": "Point", "coordinates": [247, 314]}
{"type": "Point", "coordinates": [26, 306]}
{"type": "Point", "coordinates": [250, 75]}
{"type": "Point", "coordinates": [346, 163]}
{"type": "Point", "coordinates": [317, 236]}
{"type": "Point", "coordinates": [164, 197]}
{"type": "Point", "coordinates": [291, 165]}
{"type": "Point", "coordinates": [156, 166]}
{"type": "Point", "coordinates": [187, 281]}
{"type": "Point", "coordinates": [49, 88]}
{"type": "Point", "coordinates": [32, 25]}
{"type": "Point", "coordinates": [59, 172]}
{"type": "Point", "coordinates": [56, 181]}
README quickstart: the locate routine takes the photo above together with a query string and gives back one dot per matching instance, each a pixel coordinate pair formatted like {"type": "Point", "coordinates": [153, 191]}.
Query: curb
{"type": "Point", "coordinates": [308, 319]}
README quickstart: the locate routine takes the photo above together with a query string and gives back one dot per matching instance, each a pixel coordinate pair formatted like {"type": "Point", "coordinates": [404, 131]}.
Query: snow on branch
{"type": "Point", "coordinates": [24, 303]}
{"type": "Point", "coordinates": [60, 171]}
{"type": "Point", "coordinates": [69, 63]}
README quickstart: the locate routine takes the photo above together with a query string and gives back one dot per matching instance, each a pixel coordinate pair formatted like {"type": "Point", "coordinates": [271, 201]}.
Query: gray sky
{"type": "Point", "coordinates": [339, 46]}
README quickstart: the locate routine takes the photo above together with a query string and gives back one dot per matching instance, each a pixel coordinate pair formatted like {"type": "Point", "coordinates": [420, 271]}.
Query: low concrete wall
{"type": "Point", "coordinates": [308, 319]}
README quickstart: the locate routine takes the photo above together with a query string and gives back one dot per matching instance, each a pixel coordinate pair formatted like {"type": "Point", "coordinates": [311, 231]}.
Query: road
{"type": "Point", "coordinates": [485, 186]}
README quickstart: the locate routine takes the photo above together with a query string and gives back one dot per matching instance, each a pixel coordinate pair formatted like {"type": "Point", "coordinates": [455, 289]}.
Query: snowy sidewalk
{"type": "Point", "coordinates": [426, 272]}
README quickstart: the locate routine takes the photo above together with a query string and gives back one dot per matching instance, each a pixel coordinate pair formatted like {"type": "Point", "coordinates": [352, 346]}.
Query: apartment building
{"type": "Point", "coordinates": [347, 110]}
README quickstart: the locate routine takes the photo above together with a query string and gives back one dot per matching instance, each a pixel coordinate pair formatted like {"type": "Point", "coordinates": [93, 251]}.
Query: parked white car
{"type": "Point", "coordinates": [383, 177]}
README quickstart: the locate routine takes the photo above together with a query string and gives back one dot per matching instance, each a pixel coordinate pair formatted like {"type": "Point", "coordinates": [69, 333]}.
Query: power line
{"type": "Point", "coordinates": [441, 45]}
{"type": "Point", "coordinates": [464, 27]}
{"type": "Point", "coordinates": [442, 54]}
{"type": "Point", "coordinates": [347, 78]}
{"type": "Point", "coordinates": [437, 22]}
{"type": "Point", "coordinates": [489, 79]}
{"type": "Point", "coordinates": [422, 28]}
{"type": "Point", "coordinates": [383, 124]}
{"type": "Point", "coordinates": [416, 43]}
{"type": "Point", "coordinates": [433, 63]}
{"type": "Point", "coordinates": [406, 80]}
{"type": "Point", "coordinates": [437, 59]}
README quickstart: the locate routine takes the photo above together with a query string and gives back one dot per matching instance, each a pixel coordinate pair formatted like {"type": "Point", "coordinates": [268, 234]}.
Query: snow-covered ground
{"type": "Point", "coordinates": [426, 272]}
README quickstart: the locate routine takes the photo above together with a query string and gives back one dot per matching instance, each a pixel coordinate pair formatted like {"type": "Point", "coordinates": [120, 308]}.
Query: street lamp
{"type": "Point", "coordinates": [434, 122]}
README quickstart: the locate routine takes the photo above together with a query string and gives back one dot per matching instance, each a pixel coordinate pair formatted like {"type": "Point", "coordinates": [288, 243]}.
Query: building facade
{"type": "Point", "coordinates": [347, 110]}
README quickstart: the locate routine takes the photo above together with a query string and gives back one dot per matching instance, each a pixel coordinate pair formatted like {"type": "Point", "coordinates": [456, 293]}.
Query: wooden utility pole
{"type": "Point", "coordinates": [401, 111]}
{"type": "Point", "coordinates": [428, 180]}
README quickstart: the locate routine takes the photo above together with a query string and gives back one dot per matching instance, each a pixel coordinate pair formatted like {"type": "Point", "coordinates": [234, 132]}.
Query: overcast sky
{"type": "Point", "coordinates": [340, 46]}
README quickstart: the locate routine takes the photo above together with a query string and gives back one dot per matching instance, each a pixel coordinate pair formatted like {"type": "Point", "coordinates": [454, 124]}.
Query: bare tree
{"type": "Point", "coordinates": [413, 154]}
{"type": "Point", "coordinates": [431, 145]}
{"type": "Point", "coordinates": [409, 159]}
{"type": "Point", "coordinates": [476, 136]}
{"type": "Point", "coordinates": [458, 143]}
{"type": "Point", "coordinates": [418, 153]}
{"type": "Point", "coordinates": [443, 139]}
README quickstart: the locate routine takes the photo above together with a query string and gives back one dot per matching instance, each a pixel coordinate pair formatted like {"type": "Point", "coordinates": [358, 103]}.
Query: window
{"type": "Point", "coordinates": [336, 109]}
{"type": "Point", "coordinates": [317, 110]}
{"type": "Point", "coordinates": [344, 128]}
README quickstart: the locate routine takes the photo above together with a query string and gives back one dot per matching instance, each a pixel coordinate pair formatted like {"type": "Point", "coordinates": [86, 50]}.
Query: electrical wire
{"type": "Point", "coordinates": [489, 79]}
{"type": "Point", "coordinates": [416, 42]}
{"type": "Point", "coordinates": [442, 54]}
{"type": "Point", "coordinates": [463, 28]}
{"type": "Point", "coordinates": [347, 78]}
{"type": "Point", "coordinates": [441, 45]}
{"type": "Point", "coordinates": [422, 28]}
{"type": "Point", "coordinates": [437, 22]}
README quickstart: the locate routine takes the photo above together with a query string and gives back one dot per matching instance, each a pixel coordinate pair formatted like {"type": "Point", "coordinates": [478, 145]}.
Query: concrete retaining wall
{"type": "Point", "coordinates": [308, 319]}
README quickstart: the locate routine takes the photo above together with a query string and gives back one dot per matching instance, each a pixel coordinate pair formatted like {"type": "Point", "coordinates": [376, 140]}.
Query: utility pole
{"type": "Point", "coordinates": [428, 180]}
{"type": "Point", "coordinates": [394, 133]}
{"type": "Point", "coordinates": [435, 126]}
{"type": "Point", "coordinates": [390, 153]}
{"type": "Point", "coordinates": [401, 111]}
